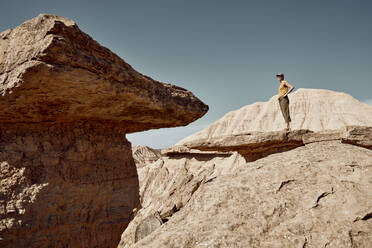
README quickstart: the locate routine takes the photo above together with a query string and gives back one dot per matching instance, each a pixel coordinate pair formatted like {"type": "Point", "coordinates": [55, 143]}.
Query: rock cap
{"type": "Point", "coordinates": [51, 71]}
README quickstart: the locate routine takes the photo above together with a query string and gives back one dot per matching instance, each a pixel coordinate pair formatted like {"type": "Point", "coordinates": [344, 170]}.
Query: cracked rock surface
{"type": "Point", "coordinates": [315, 195]}
{"type": "Point", "coordinates": [168, 184]}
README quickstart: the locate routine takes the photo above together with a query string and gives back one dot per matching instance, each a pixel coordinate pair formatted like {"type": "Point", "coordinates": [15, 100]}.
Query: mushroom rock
{"type": "Point", "coordinates": [67, 174]}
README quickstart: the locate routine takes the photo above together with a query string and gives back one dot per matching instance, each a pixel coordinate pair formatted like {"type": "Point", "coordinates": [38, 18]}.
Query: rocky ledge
{"type": "Point", "coordinates": [256, 145]}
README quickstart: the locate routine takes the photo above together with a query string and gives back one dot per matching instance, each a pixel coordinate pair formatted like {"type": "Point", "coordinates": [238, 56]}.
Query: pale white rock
{"type": "Point", "coordinates": [313, 109]}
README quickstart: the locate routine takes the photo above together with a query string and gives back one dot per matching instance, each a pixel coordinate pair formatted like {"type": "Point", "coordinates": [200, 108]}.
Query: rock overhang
{"type": "Point", "coordinates": [51, 71]}
{"type": "Point", "coordinates": [256, 145]}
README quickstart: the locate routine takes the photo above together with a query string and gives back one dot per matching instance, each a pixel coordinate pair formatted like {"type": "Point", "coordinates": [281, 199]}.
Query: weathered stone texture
{"type": "Point", "coordinates": [253, 145]}
{"type": "Point", "coordinates": [67, 174]}
{"type": "Point", "coordinates": [256, 145]}
{"type": "Point", "coordinates": [316, 195]}
{"type": "Point", "coordinates": [51, 71]}
{"type": "Point", "coordinates": [301, 189]}
{"type": "Point", "coordinates": [65, 185]}
{"type": "Point", "coordinates": [168, 184]}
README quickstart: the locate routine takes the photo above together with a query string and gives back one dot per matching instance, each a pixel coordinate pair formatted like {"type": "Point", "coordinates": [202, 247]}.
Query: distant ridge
{"type": "Point", "coordinates": [143, 155]}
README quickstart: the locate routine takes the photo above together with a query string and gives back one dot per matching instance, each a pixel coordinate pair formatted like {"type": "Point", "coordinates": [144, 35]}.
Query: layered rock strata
{"type": "Point", "coordinates": [256, 145]}
{"type": "Point", "coordinates": [252, 146]}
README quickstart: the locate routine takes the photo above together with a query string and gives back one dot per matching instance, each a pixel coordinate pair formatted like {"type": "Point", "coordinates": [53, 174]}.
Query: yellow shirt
{"type": "Point", "coordinates": [283, 89]}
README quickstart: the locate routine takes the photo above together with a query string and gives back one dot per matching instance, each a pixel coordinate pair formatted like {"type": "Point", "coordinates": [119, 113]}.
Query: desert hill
{"type": "Point", "coordinates": [313, 109]}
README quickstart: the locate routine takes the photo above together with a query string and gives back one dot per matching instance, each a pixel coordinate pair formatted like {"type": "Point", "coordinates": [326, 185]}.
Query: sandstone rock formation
{"type": "Point", "coordinates": [143, 155]}
{"type": "Point", "coordinates": [67, 174]}
{"type": "Point", "coordinates": [256, 145]}
{"type": "Point", "coordinates": [312, 109]}
{"type": "Point", "coordinates": [51, 71]}
{"type": "Point", "coordinates": [315, 195]}
{"type": "Point", "coordinates": [65, 185]}
{"type": "Point", "coordinates": [253, 145]}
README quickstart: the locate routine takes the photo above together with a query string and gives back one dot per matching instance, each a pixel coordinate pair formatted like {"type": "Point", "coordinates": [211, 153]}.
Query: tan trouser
{"type": "Point", "coordinates": [284, 107]}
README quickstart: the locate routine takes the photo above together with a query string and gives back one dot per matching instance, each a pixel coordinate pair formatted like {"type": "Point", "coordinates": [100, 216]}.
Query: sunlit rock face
{"type": "Point", "coordinates": [315, 194]}
{"type": "Point", "coordinates": [67, 175]}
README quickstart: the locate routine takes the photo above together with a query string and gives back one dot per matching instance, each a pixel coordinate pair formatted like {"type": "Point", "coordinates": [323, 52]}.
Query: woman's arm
{"type": "Point", "coordinates": [291, 88]}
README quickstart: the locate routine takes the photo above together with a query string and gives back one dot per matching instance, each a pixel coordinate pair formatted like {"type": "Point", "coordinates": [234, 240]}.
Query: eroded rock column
{"type": "Point", "coordinates": [65, 185]}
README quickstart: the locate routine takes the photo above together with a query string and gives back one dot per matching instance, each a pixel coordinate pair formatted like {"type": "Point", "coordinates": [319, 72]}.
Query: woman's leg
{"type": "Point", "coordinates": [284, 107]}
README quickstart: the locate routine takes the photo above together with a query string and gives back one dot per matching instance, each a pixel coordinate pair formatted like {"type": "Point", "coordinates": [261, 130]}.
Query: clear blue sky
{"type": "Point", "coordinates": [225, 52]}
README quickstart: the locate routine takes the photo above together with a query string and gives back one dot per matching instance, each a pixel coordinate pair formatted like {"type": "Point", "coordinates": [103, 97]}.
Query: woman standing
{"type": "Point", "coordinates": [284, 89]}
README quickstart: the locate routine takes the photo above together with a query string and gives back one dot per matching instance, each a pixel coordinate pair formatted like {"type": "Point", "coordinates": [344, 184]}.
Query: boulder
{"type": "Point", "coordinates": [67, 175]}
